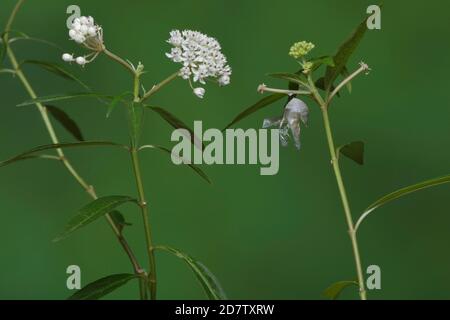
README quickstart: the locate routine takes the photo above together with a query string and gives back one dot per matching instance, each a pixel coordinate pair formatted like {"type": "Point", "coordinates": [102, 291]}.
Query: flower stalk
{"type": "Point", "coordinates": [61, 156]}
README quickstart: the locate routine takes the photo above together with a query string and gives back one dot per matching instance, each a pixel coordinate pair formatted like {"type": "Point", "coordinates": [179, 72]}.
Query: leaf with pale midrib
{"type": "Point", "coordinates": [66, 121]}
{"type": "Point", "coordinates": [193, 167]}
{"type": "Point", "coordinates": [27, 154]}
{"type": "Point", "coordinates": [55, 69]}
{"type": "Point", "coordinates": [177, 124]}
{"type": "Point", "coordinates": [209, 282]}
{"type": "Point", "coordinates": [67, 96]}
{"type": "Point", "coordinates": [401, 193]}
{"type": "Point", "coordinates": [102, 287]}
{"type": "Point", "coordinates": [92, 212]}
{"type": "Point", "coordinates": [256, 107]}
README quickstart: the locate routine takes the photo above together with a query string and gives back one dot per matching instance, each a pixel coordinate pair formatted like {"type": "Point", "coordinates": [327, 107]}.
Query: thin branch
{"type": "Point", "coordinates": [363, 68]}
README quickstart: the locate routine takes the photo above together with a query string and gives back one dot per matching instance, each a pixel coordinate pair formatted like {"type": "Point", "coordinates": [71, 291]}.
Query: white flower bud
{"type": "Point", "coordinates": [224, 80]}
{"type": "Point", "coordinates": [79, 38]}
{"type": "Point", "coordinates": [67, 57]}
{"type": "Point", "coordinates": [84, 20]}
{"type": "Point", "coordinates": [77, 20]}
{"type": "Point", "coordinates": [92, 31]}
{"type": "Point", "coordinates": [76, 26]}
{"type": "Point", "coordinates": [72, 34]}
{"type": "Point", "coordinates": [199, 92]}
{"type": "Point", "coordinates": [84, 29]}
{"type": "Point", "coordinates": [91, 21]}
{"type": "Point", "coordinates": [81, 61]}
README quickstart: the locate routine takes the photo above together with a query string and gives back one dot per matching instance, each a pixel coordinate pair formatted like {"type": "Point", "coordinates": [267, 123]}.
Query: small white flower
{"type": "Point", "coordinates": [84, 31]}
{"type": "Point", "coordinates": [81, 61]}
{"type": "Point", "coordinates": [200, 56]}
{"type": "Point", "coordinates": [67, 57]}
{"type": "Point", "coordinates": [199, 92]}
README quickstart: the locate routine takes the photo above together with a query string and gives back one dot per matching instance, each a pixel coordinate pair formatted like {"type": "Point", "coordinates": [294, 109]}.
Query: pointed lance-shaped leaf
{"type": "Point", "coordinates": [91, 212]}
{"type": "Point", "coordinates": [55, 69]}
{"type": "Point", "coordinates": [334, 291]}
{"type": "Point", "coordinates": [28, 154]}
{"type": "Point", "coordinates": [64, 96]}
{"type": "Point", "coordinates": [177, 124]}
{"type": "Point", "coordinates": [266, 101]}
{"type": "Point", "coordinates": [100, 288]}
{"type": "Point", "coordinates": [399, 194]}
{"type": "Point", "coordinates": [209, 282]}
{"type": "Point", "coordinates": [354, 151]}
{"type": "Point", "coordinates": [344, 53]}
{"type": "Point", "coordinates": [193, 167]}
{"type": "Point", "coordinates": [66, 121]}
{"type": "Point", "coordinates": [119, 220]}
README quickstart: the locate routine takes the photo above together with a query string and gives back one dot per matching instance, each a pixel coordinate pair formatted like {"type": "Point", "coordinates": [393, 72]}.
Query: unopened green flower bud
{"type": "Point", "coordinates": [301, 49]}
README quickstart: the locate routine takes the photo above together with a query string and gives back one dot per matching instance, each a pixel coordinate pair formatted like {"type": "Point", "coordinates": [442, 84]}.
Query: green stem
{"type": "Point", "coordinates": [120, 61]}
{"type": "Point", "coordinates": [342, 191]}
{"type": "Point", "coordinates": [49, 126]}
{"type": "Point", "coordinates": [160, 85]}
{"type": "Point", "coordinates": [143, 203]}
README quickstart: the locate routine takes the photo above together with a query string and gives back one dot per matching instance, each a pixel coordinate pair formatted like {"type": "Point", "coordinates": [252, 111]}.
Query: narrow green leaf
{"type": "Point", "coordinates": [32, 152]}
{"type": "Point", "coordinates": [209, 282]}
{"type": "Point", "coordinates": [324, 60]}
{"type": "Point", "coordinates": [256, 107]}
{"type": "Point", "coordinates": [92, 212]}
{"type": "Point", "coordinates": [344, 53]}
{"type": "Point", "coordinates": [333, 292]}
{"type": "Point", "coordinates": [193, 167]}
{"type": "Point", "coordinates": [177, 124]}
{"type": "Point", "coordinates": [100, 288]}
{"type": "Point", "coordinates": [38, 40]}
{"type": "Point", "coordinates": [66, 96]}
{"type": "Point", "coordinates": [55, 69]}
{"type": "Point", "coordinates": [67, 122]}
{"type": "Point", "coordinates": [119, 220]}
{"type": "Point", "coordinates": [115, 101]}
{"type": "Point", "coordinates": [291, 77]}
{"type": "Point", "coordinates": [401, 193]}
{"type": "Point", "coordinates": [320, 83]}
{"type": "Point", "coordinates": [354, 151]}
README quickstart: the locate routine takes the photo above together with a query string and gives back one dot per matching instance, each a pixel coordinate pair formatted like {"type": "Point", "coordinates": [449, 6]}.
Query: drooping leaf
{"type": "Point", "coordinates": [55, 69]}
{"type": "Point", "coordinates": [193, 167]}
{"type": "Point", "coordinates": [401, 193]}
{"type": "Point", "coordinates": [92, 212]}
{"type": "Point", "coordinates": [344, 53]}
{"type": "Point", "coordinates": [177, 124]}
{"type": "Point", "coordinates": [256, 107]}
{"type": "Point", "coordinates": [37, 40]}
{"type": "Point", "coordinates": [209, 282]}
{"type": "Point", "coordinates": [100, 288]}
{"type": "Point", "coordinates": [119, 220]}
{"type": "Point", "coordinates": [66, 96]}
{"type": "Point", "coordinates": [291, 77]}
{"type": "Point", "coordinates": [32, 152]}
{"type": "Point", "coordinates": [67, 122]}
{"type": "Point", "coordinates": [354, 151]}
{"type": "Point", "coordinates": [333, 292]}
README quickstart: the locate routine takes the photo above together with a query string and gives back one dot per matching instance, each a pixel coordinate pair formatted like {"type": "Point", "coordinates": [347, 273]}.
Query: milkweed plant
{"type": "Point", "coordinates": [198, 59]}
{"type": "Point", "coordinates": [309, 84]}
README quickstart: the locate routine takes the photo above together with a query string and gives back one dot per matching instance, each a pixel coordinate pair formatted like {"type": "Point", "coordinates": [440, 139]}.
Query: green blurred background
{"type": "Point", "coordinates": [280, 237]}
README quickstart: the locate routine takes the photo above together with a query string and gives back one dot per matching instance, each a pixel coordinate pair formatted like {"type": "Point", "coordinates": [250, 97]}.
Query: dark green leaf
{"type": "Point", "coordinates": [256, 107]}
{"type": "Point", "coordinates": [102, 287]}
{"type": "Point", "coordinates": [66, 96]}
{"type": "Point", "coordinates": [177, 124]}
{"type": "Point", "coordinates": [354, 151]}
{"type": "Point", "coordinates": [345, 74]}
{"type": "Point", "coordinates": [32, 152]}
{"type": "Point", "coordinates": [209, 282]}
{"type": "Point", "coordinates": [344, 53]}
{"type": "Point", "coordinates": [291, 77]}
{"type": "Point", "coordinates": [324, 60]}
{"type": "Point", "coordinates": [336, 289]}
{"type": "Point", "coordinates": [92, 212]}
{"type": "Point", "coordinates": [119, 220]}
{"type": "Point", "coordinates": [55, 69]}
{"type": "Point", "coordinates": [320, 83]}
{"type": "Point", "coordinates": [67, 122]}
{"type": "Point", "coordinates": [401, 193]}
{"type": "Point", "coordinates": [193, 167]}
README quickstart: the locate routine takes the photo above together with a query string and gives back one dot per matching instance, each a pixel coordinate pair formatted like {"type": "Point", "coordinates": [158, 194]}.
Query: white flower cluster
{"type": "Point", "coordinates": [201, 58]}
{"type": "Point", "coordinates": [84, 31]}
